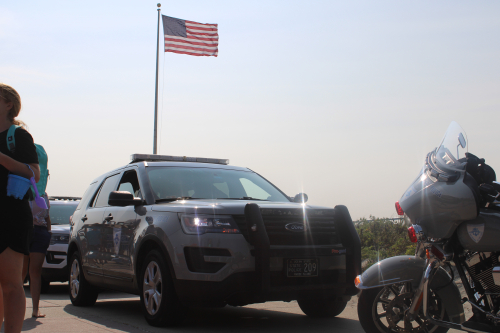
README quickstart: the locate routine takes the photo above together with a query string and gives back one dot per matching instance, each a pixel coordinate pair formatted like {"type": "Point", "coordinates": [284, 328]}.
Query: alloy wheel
{"type": "Point", "coordinates": [75, 278]}
{"type": "Point", "coordinates": [152, 288]}
{"type": "Point", "coordinates": [390, 311]}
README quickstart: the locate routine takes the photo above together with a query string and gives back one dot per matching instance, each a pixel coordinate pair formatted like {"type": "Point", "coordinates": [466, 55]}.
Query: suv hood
{"type": "Point", "coordinates": [217, 206]}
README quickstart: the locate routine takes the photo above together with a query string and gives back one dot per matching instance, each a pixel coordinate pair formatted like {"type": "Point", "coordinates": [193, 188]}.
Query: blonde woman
{"type": "Point", "coordinates": [16, 220]}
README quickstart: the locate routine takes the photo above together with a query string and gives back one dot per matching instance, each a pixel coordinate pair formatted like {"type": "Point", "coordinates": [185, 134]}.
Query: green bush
{"type": "Point", "coordinates": [382, 238]}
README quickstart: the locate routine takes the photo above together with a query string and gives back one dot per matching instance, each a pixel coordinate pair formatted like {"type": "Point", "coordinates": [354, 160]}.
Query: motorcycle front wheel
{"type": "Point", "coordinates": [384, 309]}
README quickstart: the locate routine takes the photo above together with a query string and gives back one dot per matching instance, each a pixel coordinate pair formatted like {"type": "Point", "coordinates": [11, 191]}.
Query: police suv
{"type": "Point", "coordinates": [186, 231]}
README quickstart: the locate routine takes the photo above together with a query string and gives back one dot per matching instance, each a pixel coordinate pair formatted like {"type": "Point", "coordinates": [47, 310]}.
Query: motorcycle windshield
{"type": "Point", "coordinates": [451, 152]}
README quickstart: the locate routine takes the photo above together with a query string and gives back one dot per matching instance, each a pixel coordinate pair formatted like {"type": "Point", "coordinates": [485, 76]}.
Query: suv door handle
{"type": "Point", "coordinates": [108, 218]}
{"type": "Point", "coordinates": [85, 218]}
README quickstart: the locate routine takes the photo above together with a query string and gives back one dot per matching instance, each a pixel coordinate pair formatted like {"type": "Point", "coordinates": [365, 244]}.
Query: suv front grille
{"type": "Point", "coordinates": [319, 225]}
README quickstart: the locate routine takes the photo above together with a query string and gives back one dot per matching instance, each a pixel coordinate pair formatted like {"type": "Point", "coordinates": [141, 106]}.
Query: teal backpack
{"type": "Point", "coordinates": [42, 160]}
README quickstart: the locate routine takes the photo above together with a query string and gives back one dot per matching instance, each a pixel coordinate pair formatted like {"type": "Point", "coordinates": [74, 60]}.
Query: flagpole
{"type": "Point", "coordinates": [156, 86]}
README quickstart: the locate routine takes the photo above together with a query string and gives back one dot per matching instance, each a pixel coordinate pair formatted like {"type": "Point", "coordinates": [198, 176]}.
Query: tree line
{"type": "Point", "coordinates": [382, 238]}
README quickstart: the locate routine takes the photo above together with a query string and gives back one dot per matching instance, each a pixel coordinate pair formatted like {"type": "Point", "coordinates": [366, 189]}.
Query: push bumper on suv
{"type": "Point", "coordinates": [331, 239]}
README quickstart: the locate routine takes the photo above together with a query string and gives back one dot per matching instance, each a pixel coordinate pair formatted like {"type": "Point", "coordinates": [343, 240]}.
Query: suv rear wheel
{"type": "Point", "coordinates": [159, 302]}
{"type": "Point", "coordinates": [322, 308]}
{"type": "Point", "coordinates": [81, 292]}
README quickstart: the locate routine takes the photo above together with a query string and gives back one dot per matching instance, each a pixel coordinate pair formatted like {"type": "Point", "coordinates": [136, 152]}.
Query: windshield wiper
{"type": "Point", "coordinates": [244, 198]}
{"type": "Point", "coordinates": [170, 199]}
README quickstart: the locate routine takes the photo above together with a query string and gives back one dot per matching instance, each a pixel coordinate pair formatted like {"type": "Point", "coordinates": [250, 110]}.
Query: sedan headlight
{"type": "Point", "coordinates": [59, 239]}
{"type": "Point", "coordinates": [200, 224]}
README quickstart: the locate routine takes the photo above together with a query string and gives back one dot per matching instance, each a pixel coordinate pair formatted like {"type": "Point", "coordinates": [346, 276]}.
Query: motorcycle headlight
{"type": "Point", "coordinates": [200, 224]}
{"type": "Point", "coordinates": [59, 239]}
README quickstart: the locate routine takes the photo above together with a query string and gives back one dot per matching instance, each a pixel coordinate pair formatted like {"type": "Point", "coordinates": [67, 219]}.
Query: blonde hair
{"type": "Point", "coordinates": [11, 95]}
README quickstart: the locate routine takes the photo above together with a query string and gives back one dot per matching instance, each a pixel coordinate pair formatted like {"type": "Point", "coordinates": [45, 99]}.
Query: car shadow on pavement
{"type": "Point", "coordinates": [115, 314]}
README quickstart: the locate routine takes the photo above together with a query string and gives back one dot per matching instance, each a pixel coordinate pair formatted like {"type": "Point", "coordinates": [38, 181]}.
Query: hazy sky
{"type": "Point", "coordinates": [339, 99]}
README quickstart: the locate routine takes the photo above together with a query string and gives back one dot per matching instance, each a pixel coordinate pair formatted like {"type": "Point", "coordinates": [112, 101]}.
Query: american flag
{"type": "Point", "coordinates": [188, 37]}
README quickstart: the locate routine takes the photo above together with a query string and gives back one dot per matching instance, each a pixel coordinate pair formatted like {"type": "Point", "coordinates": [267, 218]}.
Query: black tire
{"type": "Point", "coordinates": [373, 323]}
{"type": "Point", "coordinates": [322, 308]}
{"type": "Point", "coordinates": [81, 293]}
{"type": "Point", "coordinates": [158, 285]}
{"type": "Point", "coordinates": [45, 286]}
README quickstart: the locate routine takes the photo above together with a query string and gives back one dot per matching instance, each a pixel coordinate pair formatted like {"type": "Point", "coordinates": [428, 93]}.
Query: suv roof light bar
{"type": "Point", "coordinates": [169, 158]}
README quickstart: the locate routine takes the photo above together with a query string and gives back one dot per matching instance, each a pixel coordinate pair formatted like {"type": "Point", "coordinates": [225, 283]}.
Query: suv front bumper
{"type": "Point", "coordinates": [269, 282]}
{"type": "Point", "coordinates": [55, 265]}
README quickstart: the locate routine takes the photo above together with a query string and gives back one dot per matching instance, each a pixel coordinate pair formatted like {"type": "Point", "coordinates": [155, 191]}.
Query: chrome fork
{"type": "Point", "coordinates": [423, 288]}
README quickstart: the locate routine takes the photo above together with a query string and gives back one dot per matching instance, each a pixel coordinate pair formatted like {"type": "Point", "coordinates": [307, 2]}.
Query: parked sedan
{"type": "Point", "coordinates": [55, 266]}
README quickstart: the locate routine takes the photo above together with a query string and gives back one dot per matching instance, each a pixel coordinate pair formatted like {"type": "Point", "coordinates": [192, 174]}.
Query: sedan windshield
{"type": "Point", "coordinates": [207, 183]}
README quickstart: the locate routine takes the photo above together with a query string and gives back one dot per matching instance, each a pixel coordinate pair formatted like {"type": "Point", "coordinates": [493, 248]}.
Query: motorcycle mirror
{"type": "Point", "coordinates": [461, 140]}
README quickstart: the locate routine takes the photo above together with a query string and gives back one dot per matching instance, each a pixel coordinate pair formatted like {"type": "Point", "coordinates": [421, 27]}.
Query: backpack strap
{"type": "Point", "coordinates": [11, 139]}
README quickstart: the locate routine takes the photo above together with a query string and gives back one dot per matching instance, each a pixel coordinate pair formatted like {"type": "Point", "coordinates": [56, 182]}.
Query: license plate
{"type": "Point", "coordinates": [302, 267]}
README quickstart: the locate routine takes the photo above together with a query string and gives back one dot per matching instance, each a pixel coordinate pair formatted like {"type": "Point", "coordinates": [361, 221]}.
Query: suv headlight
{"type": "Point", "coordinates": [200, 224]}
{"type": "Point", "coordinates": [59, 239]}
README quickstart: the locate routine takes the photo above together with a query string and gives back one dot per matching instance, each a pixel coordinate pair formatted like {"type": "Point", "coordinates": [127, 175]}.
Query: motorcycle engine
{"type": "Point", "coordinates": [484, 269]}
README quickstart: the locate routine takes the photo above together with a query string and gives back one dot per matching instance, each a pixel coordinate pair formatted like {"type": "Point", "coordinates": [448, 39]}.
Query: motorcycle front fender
{"type": "Point", "coordinates": [393, 270]}
{"type": "Point", "coordinates": [410, 269]}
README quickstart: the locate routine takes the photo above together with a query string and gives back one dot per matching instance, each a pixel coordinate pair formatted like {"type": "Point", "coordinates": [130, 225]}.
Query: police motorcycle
{"type": "Point", "coordinates": [453, 213]}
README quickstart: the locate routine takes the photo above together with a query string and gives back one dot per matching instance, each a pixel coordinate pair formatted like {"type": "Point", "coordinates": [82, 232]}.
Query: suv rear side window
{"type": "Point", "coordinates": [109, 186]}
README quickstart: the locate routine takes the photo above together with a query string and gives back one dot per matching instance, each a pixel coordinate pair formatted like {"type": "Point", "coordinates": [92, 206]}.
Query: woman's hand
{"type": "Point", "coordinates": [19, 168]}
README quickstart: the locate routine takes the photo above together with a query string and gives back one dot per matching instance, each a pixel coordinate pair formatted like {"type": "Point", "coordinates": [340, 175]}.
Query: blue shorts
{"type": "Point", "coordinates": [41, 240]}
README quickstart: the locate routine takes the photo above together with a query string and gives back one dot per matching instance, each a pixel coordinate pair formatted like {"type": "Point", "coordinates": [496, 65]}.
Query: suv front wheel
{"type": "Point", "coordinates": [159, 302]}
{"type": "Point", "coordinates": [81, 292]}
{"type": "Point", "coordinates": [322, 308]}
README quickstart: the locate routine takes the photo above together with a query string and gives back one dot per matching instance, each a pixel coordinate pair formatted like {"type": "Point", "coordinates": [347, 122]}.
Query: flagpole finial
{"type": "Point", "coordinates": [159, 5]}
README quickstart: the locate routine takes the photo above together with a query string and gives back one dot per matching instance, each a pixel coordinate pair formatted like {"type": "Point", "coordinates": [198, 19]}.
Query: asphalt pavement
{"type": "Point", "coordinates": [119, 312]}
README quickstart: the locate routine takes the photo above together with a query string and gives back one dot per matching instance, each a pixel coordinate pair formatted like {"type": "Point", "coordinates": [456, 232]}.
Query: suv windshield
{"type": "Point", "coordinates": [451, 151]}
{"type": "Point", "coordinates": [208, 183]}
{"type": "Point", "coordinates": [60, 212]}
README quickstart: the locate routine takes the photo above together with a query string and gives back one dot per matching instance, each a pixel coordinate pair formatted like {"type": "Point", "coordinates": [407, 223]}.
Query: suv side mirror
{"type": "Point", "coordinates": [300, 198]}
{"type": "Point", "coordinates": [123, 198]}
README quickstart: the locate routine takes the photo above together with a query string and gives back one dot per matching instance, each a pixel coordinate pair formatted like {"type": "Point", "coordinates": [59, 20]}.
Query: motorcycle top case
{"type": "Point", "coordinates": [481, 234]}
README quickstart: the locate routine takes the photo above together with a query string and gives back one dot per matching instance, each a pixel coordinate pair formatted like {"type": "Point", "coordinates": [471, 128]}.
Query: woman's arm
{"type": "Point", "coordinates": [19, 168]}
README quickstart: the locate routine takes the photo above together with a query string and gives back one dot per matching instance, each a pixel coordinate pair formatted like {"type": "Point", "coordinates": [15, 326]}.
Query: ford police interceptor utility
{"type": "Point", "coordinates": [184, 231]}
